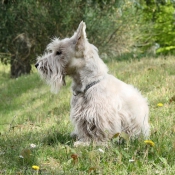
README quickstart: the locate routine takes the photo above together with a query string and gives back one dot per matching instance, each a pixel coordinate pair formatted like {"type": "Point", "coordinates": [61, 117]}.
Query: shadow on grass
{"type": "Point", "coordinates": [12, 89]}
{"type": "Point", "coordinates": [17, 154]}
{"type": "Point", "coordinates": [30, 86]}
{"type": "Point", "coordinates": [54, 138]}
{"type": "Point", "coordinates": [18, 86]}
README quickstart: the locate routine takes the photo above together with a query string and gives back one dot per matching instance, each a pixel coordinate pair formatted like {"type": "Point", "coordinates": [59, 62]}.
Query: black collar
{"type": "Point", "coordinates": [75, 93]}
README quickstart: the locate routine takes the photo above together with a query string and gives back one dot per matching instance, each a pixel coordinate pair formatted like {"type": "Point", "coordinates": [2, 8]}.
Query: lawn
{"type": "Point", "coordinates": [35, 125]}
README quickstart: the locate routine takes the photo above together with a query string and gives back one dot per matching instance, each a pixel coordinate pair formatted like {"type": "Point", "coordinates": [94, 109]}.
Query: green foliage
{"type": "Point", "coordinates": [113, 26]}
{"type": "Point", "coordinates": [32, 23]}
{"type": "Point", "coordinates": [21, 17]}
{"type": "Point", "coordinates": [159, 20]}
{"type": "Point", "coordinates": [165, 27]}
{"type": "Point", "coordinates": [42, 20]}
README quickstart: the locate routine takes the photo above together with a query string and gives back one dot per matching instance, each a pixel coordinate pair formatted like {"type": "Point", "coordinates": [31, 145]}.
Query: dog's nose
{"type": "Point", "coordinates": [36, 65]}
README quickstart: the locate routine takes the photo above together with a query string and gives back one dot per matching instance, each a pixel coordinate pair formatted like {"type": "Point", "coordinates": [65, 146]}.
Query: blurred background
{"type": "Point", "coordinates": [120, 29]}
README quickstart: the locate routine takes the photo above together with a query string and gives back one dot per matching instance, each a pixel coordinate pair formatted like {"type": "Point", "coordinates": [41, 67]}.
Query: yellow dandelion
{"type": "Point", "coordinates": [35, 167]}
{"type": "Point", "coordinates": [159, 104]}
{"type": "Point", "coordinates": [149, 142]}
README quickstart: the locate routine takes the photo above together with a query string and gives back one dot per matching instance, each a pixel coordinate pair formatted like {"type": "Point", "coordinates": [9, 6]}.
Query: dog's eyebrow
{"type": "Point", "coordinates": [62, 47]}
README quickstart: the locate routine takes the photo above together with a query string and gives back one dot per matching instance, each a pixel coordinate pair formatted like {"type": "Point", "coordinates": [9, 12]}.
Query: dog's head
{"type": "Point", "coordinates": [62, 58]}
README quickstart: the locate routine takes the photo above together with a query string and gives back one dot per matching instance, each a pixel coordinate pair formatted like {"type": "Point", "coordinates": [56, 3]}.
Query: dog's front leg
{"type": "Point", "coordinates": [79, 142]}
{"type": "Point", "coordinates": [80, 137]}
{"type": "Point", "coordinates": [74, 134]}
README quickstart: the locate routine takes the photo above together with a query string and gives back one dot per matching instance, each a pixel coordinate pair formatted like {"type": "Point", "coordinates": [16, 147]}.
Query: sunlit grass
{"type": "Point", "coordinates": [31, 115]}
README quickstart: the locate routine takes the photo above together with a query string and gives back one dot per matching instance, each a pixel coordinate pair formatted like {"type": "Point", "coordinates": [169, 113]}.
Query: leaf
{"type": "Point", "coordinates": [124, 136]}
{"type": "Point", "coordinates": [173, 129]}
{"type": "Point", "coordinates": [75, 158]}
{"type": "Point", "coordinates": [172, 99]}
{"type": "Point", "coordinates": [91, 169]}
{"type": "Point", "coordinates": [116, 135]}
{"type": "Point", "coordinates": [163, 160]}
{"type": "Point", "coordinates": [117, 152]}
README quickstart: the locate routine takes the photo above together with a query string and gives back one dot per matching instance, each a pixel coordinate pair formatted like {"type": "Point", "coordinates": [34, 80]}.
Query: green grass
{"type": "Point", "coordinates": [29, 113]}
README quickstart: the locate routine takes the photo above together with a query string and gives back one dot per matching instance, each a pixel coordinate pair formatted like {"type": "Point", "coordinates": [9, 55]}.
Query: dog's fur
{"type": "Point", "coordinates": [101, 104]}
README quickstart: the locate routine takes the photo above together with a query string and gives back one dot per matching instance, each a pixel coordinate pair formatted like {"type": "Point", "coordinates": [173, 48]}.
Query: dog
{"type": "Point", "coordinates": [101, 104]}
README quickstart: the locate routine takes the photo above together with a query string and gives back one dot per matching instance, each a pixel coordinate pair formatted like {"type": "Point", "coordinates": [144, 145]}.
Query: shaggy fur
{"type": "Point", "coordinates": [101, 104]}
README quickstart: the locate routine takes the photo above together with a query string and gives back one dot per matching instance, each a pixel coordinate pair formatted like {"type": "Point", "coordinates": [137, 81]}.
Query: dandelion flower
{"type": "Point", "coordinates": [35, 167]}
{"type": "Point", "coordinates": [159, 104]}
{"type": "Point", "coordinates": [149, 142]}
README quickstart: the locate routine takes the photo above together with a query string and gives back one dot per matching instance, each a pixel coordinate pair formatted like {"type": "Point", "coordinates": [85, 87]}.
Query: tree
{"type": "Point", "coordinates": [20, 36]}
{"type": "Point", "coordinates": [159, 27]}
{"type": "Point", "coordinates": [28, 25]}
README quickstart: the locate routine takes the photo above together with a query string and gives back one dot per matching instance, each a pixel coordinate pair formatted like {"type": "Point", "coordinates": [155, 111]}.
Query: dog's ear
{"type": "Point", "coordinates": [81, 35]}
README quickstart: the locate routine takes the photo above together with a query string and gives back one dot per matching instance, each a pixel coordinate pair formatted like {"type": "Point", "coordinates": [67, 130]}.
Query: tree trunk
{"type": "Point", "coordinates": [19, 67]}
{"type": "Point", "coordinates": [20, 59]}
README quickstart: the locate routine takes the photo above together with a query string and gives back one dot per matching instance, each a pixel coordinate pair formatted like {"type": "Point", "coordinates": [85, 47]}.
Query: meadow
{"type": "Point", "coordinates": [35, 125]}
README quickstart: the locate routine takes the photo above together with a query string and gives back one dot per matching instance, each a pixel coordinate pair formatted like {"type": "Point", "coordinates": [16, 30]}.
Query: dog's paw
{"type": "Point", "coordinates": [80, 143]}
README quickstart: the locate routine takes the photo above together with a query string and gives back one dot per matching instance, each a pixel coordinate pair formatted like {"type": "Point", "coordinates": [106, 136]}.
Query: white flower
{"type": "Point", "coordinates": [101, 150]}
{"type": "Point", "coordinates": [20, 156]}
{"type": "Point", "coordinates": [131, 160]}
{"type": "Point", "coordinates": [32, 145]}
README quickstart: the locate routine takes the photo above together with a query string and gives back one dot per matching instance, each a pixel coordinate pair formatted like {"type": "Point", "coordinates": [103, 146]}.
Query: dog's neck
{"type": "Point", "coordinates": [81, 88]}
{"type": "Point", "coordinates": [86, 77]}
{"type": "Point", "coordinates": [77, 92]}
{"type": "Point", "coordinates": [88, 69]}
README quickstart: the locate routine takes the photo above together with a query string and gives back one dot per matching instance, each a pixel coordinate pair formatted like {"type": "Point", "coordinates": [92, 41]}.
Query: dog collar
{"type": "Point", "coordinates": [90, 85]}
{"type": "Point", "coordinates": [75, 93]}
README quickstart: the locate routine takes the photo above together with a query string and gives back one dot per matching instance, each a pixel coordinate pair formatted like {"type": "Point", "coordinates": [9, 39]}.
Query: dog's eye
{"type": "Point", "coordinates": [58, 53]}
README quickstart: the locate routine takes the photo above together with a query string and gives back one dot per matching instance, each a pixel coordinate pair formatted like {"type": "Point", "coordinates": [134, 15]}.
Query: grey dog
{"type": "Point", "coordinates": [101, 104]}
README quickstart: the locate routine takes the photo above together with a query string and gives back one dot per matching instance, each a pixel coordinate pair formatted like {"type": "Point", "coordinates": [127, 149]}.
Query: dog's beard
{"type": "Point", "coordinates": [56, 82]}
{"type": "Point", "coordinates": [52, 72]}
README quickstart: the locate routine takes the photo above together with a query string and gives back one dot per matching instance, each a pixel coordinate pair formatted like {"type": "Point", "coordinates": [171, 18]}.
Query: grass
{"type": "Point", "coordinates": [29, 113]}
